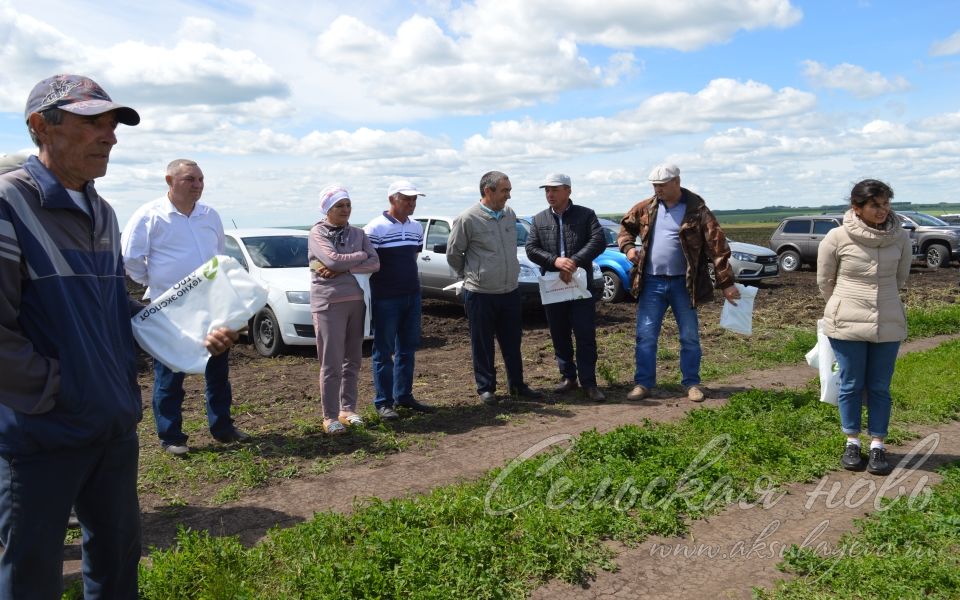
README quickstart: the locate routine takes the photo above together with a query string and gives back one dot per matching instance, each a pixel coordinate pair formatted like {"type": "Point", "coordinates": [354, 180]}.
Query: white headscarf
{"type": "Point", "coordinates": [330, 195]}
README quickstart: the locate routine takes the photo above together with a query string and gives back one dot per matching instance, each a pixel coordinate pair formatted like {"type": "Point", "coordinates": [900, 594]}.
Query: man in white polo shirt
{"type": "Point", "coordinates": [164, 241]}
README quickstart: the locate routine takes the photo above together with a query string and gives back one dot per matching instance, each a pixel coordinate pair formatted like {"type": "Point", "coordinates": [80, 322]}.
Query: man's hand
{"type": "Point", "coordinates": [220, 340]}
{"type": "Point", "coordinates": [633, 255]}
{"type": "Point", "coordinates": [567, 268]}
{"type": "Point", "coordinates": [731, 293]}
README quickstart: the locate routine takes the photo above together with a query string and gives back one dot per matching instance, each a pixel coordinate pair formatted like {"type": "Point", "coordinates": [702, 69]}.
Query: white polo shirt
{"type": "Point", "coordinates": [161, 245]}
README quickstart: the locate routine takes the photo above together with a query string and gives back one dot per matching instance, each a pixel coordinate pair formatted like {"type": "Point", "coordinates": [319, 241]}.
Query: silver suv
{"type": "Point", "coordinates": [938, 240]}
{"type": "Point", "coordinates": [797, 239]}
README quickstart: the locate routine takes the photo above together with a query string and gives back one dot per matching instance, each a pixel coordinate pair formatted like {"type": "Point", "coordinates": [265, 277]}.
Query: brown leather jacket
{"type": "Point", "coordinates": [701, 240]}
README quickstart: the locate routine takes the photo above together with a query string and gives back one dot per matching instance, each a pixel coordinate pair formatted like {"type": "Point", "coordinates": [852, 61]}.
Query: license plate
{"type": "Point", "coordinates": [769, 268]}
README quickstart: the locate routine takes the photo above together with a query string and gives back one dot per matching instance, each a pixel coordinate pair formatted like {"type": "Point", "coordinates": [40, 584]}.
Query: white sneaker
{"type": "Point", "coordinates": [176, 449]}
{"type": "Point", "coordinates": [695, 393]}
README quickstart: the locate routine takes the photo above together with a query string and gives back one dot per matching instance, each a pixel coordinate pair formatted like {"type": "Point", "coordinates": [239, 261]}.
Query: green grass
{"type": "Point", "coordinates": [547, 516]}
{"type": "Point", "coordinates": [906, 551]}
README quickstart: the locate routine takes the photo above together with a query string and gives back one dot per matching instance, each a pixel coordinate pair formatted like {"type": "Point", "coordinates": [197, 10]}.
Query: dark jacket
{"type": "Point", "coordinates": [582, 237]}
{"type": "Point", "coordinates": [66, 345]}
{"type": "Point", "coordinates": [701, 240]}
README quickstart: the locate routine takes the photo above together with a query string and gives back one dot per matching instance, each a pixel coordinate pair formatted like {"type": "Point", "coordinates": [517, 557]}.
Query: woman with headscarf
{"type": "Point", "coordinates": [861, 267]}
{"type": "Point", "coordinates": [337, 251]}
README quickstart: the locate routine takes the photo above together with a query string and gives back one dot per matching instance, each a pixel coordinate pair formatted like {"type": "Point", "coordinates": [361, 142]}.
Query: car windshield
{"type": "Point", "coordinates": [927, 220]}
{"type": "Point", "coordinates": [277, 251]}
{"type": "Point", "coordinates": [610, 233]}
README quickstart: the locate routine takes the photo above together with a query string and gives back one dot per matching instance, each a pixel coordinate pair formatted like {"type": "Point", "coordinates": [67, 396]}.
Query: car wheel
{"type": "Point", "coordinates": [266, 334]}
{"type": "Point", "coordinates": [938, 256]}
{"type": "Point", "coordinates": [789, 260]}
{"type": "Point", "coordinates": [712, 272]}
{"type": "Point", "coordinates": [612, 287]}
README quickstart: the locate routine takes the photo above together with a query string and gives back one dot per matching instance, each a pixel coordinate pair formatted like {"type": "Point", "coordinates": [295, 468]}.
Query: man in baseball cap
{"type": "Point", "coordinates": [567, 237]}
{"type": "Point", "coordinates": [650, 237]}
{"type": "Point", "coordinates": [69, 402]}
{"type": "Point", "coordinates": [395, 296]}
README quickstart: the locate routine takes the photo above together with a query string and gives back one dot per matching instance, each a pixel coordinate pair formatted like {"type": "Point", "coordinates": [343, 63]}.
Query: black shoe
{"type": "Point", "coordinates": [525, 391]}
{"type": "Point", "coordinates": [852, 460]}
{"type": "Point", "coordinates": [387, 414]}
{"type": "Point", "coordinates": [878, 464]}
{"type": "Point", "coordinates": [566, 385]}
{"type": "Point", "coordinates": [489, 398]}
{"type": "Point", "coordinates": [417, 406]}
{"type": "Point", "coordinates": [594, 394]}
{"type": "Point", "coordinates": [234, 435]}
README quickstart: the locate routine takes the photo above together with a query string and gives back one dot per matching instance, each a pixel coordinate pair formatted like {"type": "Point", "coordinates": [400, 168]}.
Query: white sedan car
{"type": "Point", "coordinates": [278, 259]}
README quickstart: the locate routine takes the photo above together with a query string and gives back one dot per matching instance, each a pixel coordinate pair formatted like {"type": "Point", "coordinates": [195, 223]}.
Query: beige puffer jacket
{"type": "Point", "coordinates": [860, 271]}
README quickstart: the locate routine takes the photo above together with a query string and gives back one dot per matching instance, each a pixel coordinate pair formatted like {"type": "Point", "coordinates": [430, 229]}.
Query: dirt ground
{"type": "Point", "coordinates": [465, 438]}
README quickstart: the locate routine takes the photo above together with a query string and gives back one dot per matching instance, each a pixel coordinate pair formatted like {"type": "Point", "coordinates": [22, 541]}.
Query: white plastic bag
{"type": "Point", "coordinates": [553, 289]}
{"type": "Point", "coordinates": [739, 318]}
{"type": "Point", "coordinates": [173, 327]}
{"type": "Point", "coordinates": [821, 357]}
{"type": "Point", "coordinates": [363, 280]}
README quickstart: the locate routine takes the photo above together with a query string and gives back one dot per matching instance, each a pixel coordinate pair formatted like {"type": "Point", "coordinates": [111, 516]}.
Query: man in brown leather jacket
{"type": "Point", "coordinates": [672, 238]}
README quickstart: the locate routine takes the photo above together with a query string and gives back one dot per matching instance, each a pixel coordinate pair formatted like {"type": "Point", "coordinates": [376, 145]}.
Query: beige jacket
{"type": "Point", "coordinates": [860, 271]}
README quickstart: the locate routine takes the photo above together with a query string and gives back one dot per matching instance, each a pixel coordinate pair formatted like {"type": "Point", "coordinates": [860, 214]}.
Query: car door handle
{"type": "Point", "coordinates": [426, 258]}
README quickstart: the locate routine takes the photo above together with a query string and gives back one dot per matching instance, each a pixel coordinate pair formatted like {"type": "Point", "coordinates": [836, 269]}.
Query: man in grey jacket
{"type": "Point", "coordinates": [482, 249]}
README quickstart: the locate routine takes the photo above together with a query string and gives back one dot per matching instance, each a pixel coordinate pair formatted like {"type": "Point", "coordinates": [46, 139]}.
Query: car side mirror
{"type": "Point", "coordinates": [440, 248]}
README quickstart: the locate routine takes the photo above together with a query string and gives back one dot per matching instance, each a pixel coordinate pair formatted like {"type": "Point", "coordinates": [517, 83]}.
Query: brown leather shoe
{"type": "Point", "coordinates": [638, 392]}
{"type": "Point", "coordinates": [695, 393]}
{"type": "Point", "coordinates": [566, 385]}
{"type": "Point", "coordinates": [593, 393]}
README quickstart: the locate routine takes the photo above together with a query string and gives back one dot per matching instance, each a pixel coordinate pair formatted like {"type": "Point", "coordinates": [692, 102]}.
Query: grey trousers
{"type": "Point", "coordinates": [339, 347]}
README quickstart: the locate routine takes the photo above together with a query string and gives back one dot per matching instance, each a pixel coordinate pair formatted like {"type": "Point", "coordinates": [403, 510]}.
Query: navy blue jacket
{"type": "Point", "coordinates": [67, 355]}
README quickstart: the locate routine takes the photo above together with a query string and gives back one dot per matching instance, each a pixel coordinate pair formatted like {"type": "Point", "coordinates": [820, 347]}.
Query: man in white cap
{"type": "Point", "coordinates": [671, 238]}
{"type": "Point", "coordinates": [395, 295]}
{"type": "Point", "coordinates": [69, 399]}
{"type": "Point", "coordinates": [565, 237]}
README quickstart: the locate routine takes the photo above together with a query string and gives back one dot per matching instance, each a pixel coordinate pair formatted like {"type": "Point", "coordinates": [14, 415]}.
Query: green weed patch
{"type": "Point", "coordinates": [907, 551]}
{"type": "Point", "coordinates": [546, 513]}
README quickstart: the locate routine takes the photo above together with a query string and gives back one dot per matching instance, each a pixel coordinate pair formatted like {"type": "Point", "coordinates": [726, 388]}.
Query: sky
{"type": "Point", "coordinates": [759, 102]}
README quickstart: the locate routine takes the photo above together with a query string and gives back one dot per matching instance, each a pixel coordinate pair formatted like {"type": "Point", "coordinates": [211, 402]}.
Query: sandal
{"type": "Point", "coordinates": [352, 419]}
{"type": "Point", "coordinates": [334, 427]}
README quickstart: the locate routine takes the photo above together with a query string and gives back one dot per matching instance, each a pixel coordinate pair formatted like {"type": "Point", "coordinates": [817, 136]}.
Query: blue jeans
{"type": "Point", "coordinates": [396, 336]}
{"type": "Point", "coordinates": [36, 493]}
{"type": "Point", "coordinates": [865, 366]}
{"type": "Point", "coordinates": [168, 399]}
{"type": "Point", "coordinates": [577, 317]}
{"type": "Point", "coordinates": [495, 316]}
{"type": "Point", "coordinates": [657, 294]}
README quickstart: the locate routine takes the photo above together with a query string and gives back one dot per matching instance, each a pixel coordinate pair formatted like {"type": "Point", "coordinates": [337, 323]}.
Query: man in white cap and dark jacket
{"type": "Point", "coordinates": [566, 237]}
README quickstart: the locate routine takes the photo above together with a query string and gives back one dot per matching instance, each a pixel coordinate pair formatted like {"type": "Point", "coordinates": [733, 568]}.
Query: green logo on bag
{"type": "Point", "coordinates": [210, 269]}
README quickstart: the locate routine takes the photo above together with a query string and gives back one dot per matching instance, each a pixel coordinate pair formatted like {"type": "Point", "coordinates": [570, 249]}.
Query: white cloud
{"type": "Point", "coordinates": [852, 78]}
{"type": "Point", "coordinates": [501, 54]}
{"type": "Point", "coordinates": [197, 29]}
{"type": "Point", "coordinates": [951, 45]}
{"type": "Point", "coordinates": [189, 73]}
{"type": "Point", "coordinates": [722, 100]}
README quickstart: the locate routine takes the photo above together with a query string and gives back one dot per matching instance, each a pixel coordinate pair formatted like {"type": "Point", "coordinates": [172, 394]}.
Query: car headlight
{"type": "Point", "coordinates": [527, 272]}
{"type": "Point", "coordinates": [298, 297]}
{"type": "Point", "coordinates": [743, 256]}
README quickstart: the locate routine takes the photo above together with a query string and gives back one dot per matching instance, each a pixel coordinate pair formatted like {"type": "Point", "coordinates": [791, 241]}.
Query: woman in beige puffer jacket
{"type": "Point", "coordinates": [861, 267]}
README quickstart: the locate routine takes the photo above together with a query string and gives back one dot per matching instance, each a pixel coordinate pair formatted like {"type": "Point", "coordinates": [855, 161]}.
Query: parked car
{"type": "Point", "coordinates": [278, 259]}
{"type": "Point", "coordinates": [938, 240]}
{"type": "Point", "coordinates": [797, 239]}
{"type": "Point", "coordinates": [950, 219]}
{"type": "Point", "coordinates": [614, 265]}
{"type": "Point", "coordinates": [436, 274]}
